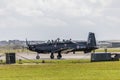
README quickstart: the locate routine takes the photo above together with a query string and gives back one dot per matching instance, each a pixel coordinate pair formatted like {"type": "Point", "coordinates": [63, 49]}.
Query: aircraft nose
{"type": "Point", "coordinates": [32, 48]}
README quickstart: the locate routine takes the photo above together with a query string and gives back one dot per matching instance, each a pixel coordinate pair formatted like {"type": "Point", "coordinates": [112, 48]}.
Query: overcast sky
{"type": "Point", "coordinates": [50, 19]}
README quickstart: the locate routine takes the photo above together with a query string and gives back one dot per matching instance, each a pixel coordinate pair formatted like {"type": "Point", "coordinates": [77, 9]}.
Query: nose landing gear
{"type": "Point", "coordinates": [37, 57]}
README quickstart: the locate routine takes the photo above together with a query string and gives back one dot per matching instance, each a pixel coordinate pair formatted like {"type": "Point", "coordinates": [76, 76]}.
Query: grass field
{"type": "Point", "coordinates": [62, 70]}
{"type": "Point", "coordinates": [108, 49]}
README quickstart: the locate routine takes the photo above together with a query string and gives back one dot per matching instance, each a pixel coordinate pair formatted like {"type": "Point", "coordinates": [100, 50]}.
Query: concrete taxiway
{"type": "Point", "coordinates": [32, 56]}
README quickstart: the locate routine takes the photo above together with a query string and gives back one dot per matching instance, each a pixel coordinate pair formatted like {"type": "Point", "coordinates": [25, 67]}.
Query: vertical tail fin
{"type": "Point", "coordinates": [91, 40]}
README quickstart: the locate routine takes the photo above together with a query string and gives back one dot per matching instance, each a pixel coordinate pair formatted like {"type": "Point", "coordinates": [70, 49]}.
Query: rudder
{"type": "Point", "coordinates": [91, 40]}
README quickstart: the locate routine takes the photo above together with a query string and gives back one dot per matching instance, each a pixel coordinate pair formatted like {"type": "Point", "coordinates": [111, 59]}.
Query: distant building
{"type": "Point", "coordinates": [103, 44]}
{"type": "Point", "coordinates": [3, 43]}
{"type": "Point", "coordinates": [20, 44]}
{"type": "Point", "coordinates": [17, 44]}
{"type": "Point", "coordinates": [109, 44]}
{"type": "Point", "coordinates": [115, 44]}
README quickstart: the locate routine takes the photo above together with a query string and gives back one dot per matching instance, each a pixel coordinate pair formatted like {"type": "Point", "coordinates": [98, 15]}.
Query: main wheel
{"type": "Point", "coordinates": [59, 56]}
{"type": "Point", "coordinates": [52, 56]}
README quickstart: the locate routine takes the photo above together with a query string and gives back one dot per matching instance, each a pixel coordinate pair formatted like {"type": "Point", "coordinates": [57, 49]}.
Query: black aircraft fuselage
{"type": "Point", "coordinates": [64, 46]}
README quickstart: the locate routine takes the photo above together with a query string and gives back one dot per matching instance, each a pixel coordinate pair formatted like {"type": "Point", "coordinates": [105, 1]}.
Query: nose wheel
{"type": "Point", "coordinates": [37, 57]}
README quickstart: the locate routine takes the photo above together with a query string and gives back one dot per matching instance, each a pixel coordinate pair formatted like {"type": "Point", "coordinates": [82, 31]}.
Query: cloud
{"type": "Point", "coordinates": [58, 17]}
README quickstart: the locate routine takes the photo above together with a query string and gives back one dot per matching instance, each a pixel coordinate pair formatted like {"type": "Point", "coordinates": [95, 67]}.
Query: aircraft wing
{"type": "Point", "coordinates": [67, 50]}
{"type": "Point", "coordinates": [64, 50]}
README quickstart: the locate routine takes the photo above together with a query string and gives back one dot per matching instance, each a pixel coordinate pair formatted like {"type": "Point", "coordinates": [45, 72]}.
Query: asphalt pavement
{"type": "Point", "coordinates": [23, 56]}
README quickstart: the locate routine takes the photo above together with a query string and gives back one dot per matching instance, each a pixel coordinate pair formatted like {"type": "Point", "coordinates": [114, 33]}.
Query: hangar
{"type": "Point", "coordinates": [109, 44]}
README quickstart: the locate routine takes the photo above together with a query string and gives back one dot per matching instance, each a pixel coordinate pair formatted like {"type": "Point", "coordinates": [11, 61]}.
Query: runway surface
{"type": "Point", "coordinates": [24, 56]}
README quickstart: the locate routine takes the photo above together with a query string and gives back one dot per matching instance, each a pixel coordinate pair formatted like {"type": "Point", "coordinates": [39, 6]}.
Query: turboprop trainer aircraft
{"type": "Point", "coordinates": [65, 46]}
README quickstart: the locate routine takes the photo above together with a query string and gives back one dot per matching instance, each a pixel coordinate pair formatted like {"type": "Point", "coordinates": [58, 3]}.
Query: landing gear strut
{"type": "Point", "coordinates": [59, 56]}
{"type": "Point", "coordinates": [73, 52]}
{"type": "Point", "coordinates": [52, 56]}
{"type": "Point", "coordinates": [37, 57]}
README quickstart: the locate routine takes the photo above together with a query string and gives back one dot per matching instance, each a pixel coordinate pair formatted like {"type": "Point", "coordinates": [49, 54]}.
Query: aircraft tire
{"type": "Point", "coordinates": [37, 57]}
{"type": "Point", "coordinates": [52, 56]}
{"type": "Point", "coordinates": [59, 56]}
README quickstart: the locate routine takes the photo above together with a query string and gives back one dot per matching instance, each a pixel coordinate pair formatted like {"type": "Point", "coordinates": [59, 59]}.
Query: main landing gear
{"type": "Point", "coordinates": [52, 56]}
{"type": "Point", "coordinates": [59, 56]}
